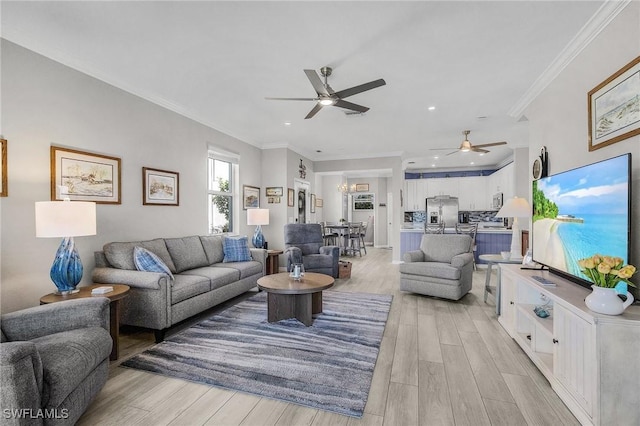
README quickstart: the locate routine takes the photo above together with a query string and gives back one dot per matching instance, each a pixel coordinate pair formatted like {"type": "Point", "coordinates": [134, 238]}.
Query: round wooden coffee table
{"type": "Point", "coordinates": [287, 298]}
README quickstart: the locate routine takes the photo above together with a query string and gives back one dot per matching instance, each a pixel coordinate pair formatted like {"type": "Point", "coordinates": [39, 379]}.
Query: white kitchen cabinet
{"type": "Point", "coordinates": [416, 194]}
{"type": "Point", "coordinates": [503, 180]}
{"type": "Point", "coordinates": [443, 186]}
{"type": "Point", "coordinates": [472, 193]}
{"type": "Point", "coordinates": [585, 356]}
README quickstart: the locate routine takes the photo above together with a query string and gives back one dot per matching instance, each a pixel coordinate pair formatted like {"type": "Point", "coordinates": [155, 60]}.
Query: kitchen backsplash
{"type": "Point", "coordinates": [474, 216]}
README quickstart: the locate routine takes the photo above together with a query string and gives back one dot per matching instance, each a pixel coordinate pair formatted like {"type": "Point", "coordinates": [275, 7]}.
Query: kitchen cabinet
{"type": "Point", "coordinates": [584, 355]}
{"type": "Point", "coordinates": [416, 194]}
{"type": "Point", "coordinates": [443, 186]}
{"type": "Point", "coordinates": [472, 193]}
{"type": "Point", "coordinates": [503, 180]}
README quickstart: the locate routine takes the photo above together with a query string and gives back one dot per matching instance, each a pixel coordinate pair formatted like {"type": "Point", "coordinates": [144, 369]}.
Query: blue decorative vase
{"type": "Point", "coordinates": [66, 271]}
{"type": "Point", "coordinates": [258, 238]}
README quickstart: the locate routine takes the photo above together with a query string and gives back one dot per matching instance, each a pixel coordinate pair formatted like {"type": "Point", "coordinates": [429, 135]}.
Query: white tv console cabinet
{"type": "Point", "coordinates": [590, 360]}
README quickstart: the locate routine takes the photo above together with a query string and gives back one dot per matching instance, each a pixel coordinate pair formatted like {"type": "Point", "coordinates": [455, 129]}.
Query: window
{"type": "Point", "coordinates": [221, 193]}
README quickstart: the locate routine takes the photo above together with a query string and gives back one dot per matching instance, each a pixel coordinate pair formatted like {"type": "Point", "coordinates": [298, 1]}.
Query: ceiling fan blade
{"type": "Point", "coordinates": [291, 99]}
{"type": "Point", "coordinates": [453, 152]}
{"type": "Point", "coordinates": [314, 78]}
{"type": "Point", "coordinates": [441, 149]}
{"type": "Point", "coordinates": [484, 145]}
{"type": "Point", "coordinates": [476, 149]}
{"type": "Point", "coordinates": [314, 111]}
{"type": "Point", "coordinates": [359, 89]}
{"type": "Point", "coordinates": [348, 105]}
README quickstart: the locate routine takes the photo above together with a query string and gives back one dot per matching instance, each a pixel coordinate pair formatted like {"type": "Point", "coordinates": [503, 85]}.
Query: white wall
{"type": "Point", "coordinates": [558, 117]}
{"type": "Point", "coordinates": [45, 103]}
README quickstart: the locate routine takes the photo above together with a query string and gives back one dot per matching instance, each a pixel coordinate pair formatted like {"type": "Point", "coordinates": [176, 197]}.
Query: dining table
{"type": "Point", "coordinates": [342, 230]}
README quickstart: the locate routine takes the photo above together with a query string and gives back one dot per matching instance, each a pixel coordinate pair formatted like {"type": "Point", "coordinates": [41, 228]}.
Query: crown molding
{"type": "Point", "coordinates": [603, 16]}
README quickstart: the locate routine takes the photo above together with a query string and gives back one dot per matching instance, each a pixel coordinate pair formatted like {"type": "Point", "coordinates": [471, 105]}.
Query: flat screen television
{"type": "Point", "coordinates": [582, 212]}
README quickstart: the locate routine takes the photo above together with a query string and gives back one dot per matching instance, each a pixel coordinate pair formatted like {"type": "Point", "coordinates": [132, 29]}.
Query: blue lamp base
{"type": "Point", "coordinates": [66, 271]}
{"type": "Point", "coordinates": [258, 238]}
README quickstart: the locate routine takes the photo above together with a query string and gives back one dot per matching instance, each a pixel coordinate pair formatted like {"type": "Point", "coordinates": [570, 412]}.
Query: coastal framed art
{"type": "Point", "coordinates": [313, 203]}
{"type": "Point", "coordinates": [84, 176]}
{"type": "Point", "coordinates": [3, 165]}
{"type": "Point", "coordinates": [250, 197]}
{"type": "Point", "coordinates": [160, 187]}
{"type": "Point", "coordinates": [291, 194]}
{"type": "Point", "coordinates": [273, 191]}
{"type": "Point", "coordinates": [614, 107]}
{"type": "Point", "coordinates": [362, 187]}
{"type": "Point", "coordinates": [363, 201]}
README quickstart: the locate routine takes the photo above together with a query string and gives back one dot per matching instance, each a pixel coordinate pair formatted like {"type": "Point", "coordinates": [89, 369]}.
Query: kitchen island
{"type": "Point", "coordinates": [490, 239]}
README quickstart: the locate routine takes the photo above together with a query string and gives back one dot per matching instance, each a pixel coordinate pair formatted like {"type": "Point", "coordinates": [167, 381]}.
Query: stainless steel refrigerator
{"type": "Point", "coordinates": [442, 208]}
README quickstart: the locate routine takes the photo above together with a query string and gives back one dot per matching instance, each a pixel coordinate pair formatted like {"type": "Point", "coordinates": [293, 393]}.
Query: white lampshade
{"type": "Point", "coordinates": [65, 218]}
{"type": "Point", "coordinates": [258, 217]}
{"type": "Point", "coordinates": [515, 207]}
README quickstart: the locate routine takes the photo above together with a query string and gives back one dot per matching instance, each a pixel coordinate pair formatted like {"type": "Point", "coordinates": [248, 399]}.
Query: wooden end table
{"type": "Point", "coordinates": [273, 261]}
{"type": "Point", "coordinates": [287, 298]}
{"type": "Point", "coordinates": [120, 291]}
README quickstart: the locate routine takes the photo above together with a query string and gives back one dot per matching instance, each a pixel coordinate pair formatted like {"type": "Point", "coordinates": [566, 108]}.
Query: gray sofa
{"type": "Point", "coordinates": [442, 267]}
{"type": "Point", "coordinates": [54, 359]}
{"type": "Point", "coordinates": [201, 279]}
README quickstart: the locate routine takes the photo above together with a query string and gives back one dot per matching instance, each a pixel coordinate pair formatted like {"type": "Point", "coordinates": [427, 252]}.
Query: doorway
{"type": "Point", "coordinates": [301, 208]}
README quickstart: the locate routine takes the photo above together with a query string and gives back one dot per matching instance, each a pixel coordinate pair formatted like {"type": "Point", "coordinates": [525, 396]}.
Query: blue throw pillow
{"type": "Point", "coordinates": [148, 261]}
{"type": "Point", "coordinates": [236, 249]}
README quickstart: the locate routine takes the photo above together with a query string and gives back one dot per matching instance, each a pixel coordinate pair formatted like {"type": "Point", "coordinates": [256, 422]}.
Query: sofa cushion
{"type": "Point", "coordinates": [120, 255]}
{"type": "Point", "coordinates": [187, 286]}
{"type": "Point", "coordinates": [218, 277]}
{"type": "Point", "coordinates": [187, 252]}
{"type": "Point", "coordinates": [68, 358]}
{"type": "Point", "coordinates": [431, 269]}
{"type": "Point", "coordinates": [213, 248]}
{"type": "Point", "coordinates": [145, 260]}
{"type": "Point", "coordinates": [442, 247]}
{"type": "Point", "coordinates": [236, 249]}
{"type": "Point", "coordinates": [316, 261]}
{"type": "Point", "coordinates": [246, 269]}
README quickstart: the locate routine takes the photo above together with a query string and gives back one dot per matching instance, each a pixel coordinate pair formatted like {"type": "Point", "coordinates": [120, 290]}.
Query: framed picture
{"type": "Point", "coordinates": [273, 200]}
{"type": "Point", "coordinates": [319, 202]}
{"type": "Point", "coordinates": [160, 187]}
{"type": "Point", "coordinates": [250, 197]}
{"type": "Point", "coordinates": [313, 203]}
{"type": "Point", "coordinates": [3, 166]}
{"type": "Point", "coordinates": [362, 187]}
{"type": "Point", "coordinates": [614, 107]}
{"type": "Point", "coordinates": [274, 191]}
{"type": "Point", "coordinates": [84, 176]}
{"type": "Point", "coordinates": [291, 194]}
{"type": "Point", "coordinates": [363, 201]}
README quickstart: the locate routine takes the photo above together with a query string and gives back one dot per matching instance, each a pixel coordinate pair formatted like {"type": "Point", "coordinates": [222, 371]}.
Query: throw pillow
{"type": "Point", "coordinates": [236, 249]}
{"type": "Point", "coordinates": [146, 260]}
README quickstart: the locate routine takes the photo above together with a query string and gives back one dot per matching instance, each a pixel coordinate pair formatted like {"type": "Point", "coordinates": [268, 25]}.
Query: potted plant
{"type": "Point", "coordinates": [607, 273]}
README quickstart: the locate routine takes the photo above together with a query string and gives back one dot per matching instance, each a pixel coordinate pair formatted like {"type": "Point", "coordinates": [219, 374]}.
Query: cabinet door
{"type": "Point", "coordinates": [411, 195]}
{"type": "Point", "coordinates": [574, 356]}
{"type": "Point", "coordinates": [472, 193]}
{"type": "Point", "coordinates": [422, 190]}
{"type": "Point", "coordinates": [507, 302]}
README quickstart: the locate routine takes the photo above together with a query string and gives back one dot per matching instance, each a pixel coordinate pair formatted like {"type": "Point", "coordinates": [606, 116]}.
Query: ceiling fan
{"type": "Point", "coordinates": [328, 97]}
{"type": "Point", "coordinates": [467, 146]}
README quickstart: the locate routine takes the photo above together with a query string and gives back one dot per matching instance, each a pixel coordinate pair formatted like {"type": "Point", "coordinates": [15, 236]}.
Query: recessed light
{"type": "Point", "coordinates": [435, 157]}
{"type": "Point", "coordinates": [481, 154]}
{"type": "Point", "coordinates": [287, 123]}
{"type": "Point", "coordinates": [433, 165]}
{"type": "Point", "coordinates": [431, 108]}
{"type": "Point", "coordinates": [472, 163]}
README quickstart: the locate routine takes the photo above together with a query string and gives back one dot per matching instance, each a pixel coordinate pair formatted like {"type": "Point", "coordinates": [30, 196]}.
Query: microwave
{"type": "Point", "coordinates": [497, 201]}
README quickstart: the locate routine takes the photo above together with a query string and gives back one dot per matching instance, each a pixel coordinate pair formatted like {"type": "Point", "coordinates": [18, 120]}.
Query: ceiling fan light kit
{"type": "Point", "coordinates": [467, 146]}
{"type": "Point", "coordinates": [328, 97]}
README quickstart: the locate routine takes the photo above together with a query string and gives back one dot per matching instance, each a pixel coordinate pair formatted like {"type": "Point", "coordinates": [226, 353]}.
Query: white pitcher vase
{"type": "Point", "coordinates": [606, 301]}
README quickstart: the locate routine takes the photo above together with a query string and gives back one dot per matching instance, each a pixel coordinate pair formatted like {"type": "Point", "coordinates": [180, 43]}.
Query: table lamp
{"type": "Point", "coordinates": [515, 207]}
{"type": "Point", "coordinates": [258, 217]}
{"type": "Point", "coordinates": [66, 219]}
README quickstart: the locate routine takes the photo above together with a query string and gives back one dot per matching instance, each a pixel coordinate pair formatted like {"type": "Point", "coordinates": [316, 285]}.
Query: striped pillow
{"type": "Point", "coordinates": [236, 250]}
{"type": "Point", "coordinates": [146, 260]}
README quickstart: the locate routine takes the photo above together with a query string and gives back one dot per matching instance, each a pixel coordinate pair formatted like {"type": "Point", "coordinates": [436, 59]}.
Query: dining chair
{"type": "Point", "coordinates": [434, 228]}
{"type": "Point", "coordinates": [363, 233]}
{"type": "Point", "coordinates": [470, 229]}
{"type": "Point", "coordinates": [330, 238]}
{"type": "Point", "coordinates": [353, 234]}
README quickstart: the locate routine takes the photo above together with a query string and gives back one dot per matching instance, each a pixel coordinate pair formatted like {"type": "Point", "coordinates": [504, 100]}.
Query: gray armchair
{"type": "Point", "coordinates": [304, 244]}
{"type": "Point", "coordinates": [443, 267]}
{"type": "Point", "coordinates": [54, 359]}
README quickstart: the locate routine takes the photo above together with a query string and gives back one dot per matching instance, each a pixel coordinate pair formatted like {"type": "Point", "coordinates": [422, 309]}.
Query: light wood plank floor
{"type": "Point", "coordinates": [440, 363]}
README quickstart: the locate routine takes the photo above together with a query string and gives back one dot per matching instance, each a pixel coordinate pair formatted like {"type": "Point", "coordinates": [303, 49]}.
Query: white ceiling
{"type": "Point", "coordinates": [216, 62]}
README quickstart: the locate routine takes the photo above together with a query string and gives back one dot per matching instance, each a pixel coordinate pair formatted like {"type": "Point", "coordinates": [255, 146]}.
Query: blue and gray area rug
{"type": "Point", "coordinates": [328, 366]}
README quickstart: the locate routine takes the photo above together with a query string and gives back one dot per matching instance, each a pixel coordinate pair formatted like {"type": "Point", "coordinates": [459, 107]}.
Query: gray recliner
{"type": "Point", "coordinates": [442, 267]}
{"type": "Point", "coordinates": [304, 244]}
{"type": "Point", "coordinates": [54, 359]}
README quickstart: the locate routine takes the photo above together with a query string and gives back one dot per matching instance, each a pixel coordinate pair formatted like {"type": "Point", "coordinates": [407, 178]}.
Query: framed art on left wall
{"type": "Point", "coordinates": [84, 176]}
{"type": "Point", "coordinates": [160, 187]}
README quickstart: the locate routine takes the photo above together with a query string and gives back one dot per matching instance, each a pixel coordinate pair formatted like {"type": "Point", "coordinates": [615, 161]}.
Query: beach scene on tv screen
{"type": "Point", "coordinates": [582, 212]}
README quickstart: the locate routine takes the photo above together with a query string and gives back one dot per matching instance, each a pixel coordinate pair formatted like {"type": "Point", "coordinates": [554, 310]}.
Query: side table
{"type": "Point", "coordinates": [120, 291]}
{"type": "Point", "coordinates": [492, 259]}
{"type": "Point", "coordinates": [273, 261]}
